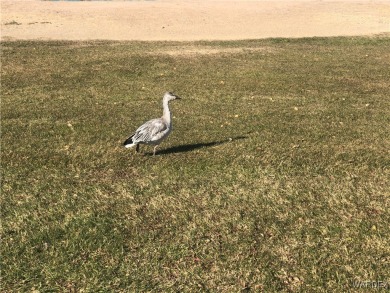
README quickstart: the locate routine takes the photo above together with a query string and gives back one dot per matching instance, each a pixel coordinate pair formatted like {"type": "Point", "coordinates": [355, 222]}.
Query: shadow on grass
{"type": "Point", "coordinates": [194, 146]}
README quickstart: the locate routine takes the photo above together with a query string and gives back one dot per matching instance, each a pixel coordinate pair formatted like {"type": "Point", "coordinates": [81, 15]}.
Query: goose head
{"type": "Point", "coordinates": [169, 96]}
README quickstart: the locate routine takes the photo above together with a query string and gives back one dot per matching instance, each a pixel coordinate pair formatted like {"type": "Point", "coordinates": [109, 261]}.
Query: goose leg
{"type": "Point", "coordinates": [137, 148]}
{"type": "Point", "coordinates": [154, 150]}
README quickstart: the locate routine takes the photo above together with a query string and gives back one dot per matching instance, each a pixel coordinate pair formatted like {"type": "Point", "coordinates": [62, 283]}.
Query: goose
{"type": "Point", "coordinates": [154, 131]}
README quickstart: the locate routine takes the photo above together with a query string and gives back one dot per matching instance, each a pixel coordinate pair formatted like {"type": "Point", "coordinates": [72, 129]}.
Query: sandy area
{"type": "Point", "coordinates": [191, 20]}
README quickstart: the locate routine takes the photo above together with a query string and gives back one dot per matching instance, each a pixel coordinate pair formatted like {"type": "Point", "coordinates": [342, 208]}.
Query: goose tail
{"type": "Point", "coordinates": [129, 143]}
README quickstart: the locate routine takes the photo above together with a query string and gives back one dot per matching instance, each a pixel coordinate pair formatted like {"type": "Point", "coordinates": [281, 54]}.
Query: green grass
{"type": "Point", "coordinates": [275, 178]}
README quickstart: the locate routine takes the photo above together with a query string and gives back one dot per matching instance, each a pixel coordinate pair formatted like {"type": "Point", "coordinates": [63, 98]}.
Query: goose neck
{"type": "Point", "coordinates": [166, 112]}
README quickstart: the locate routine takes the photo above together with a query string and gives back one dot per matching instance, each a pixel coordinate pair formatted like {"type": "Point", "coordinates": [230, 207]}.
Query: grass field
{"type": "Point", "coordinates": [275, 178]}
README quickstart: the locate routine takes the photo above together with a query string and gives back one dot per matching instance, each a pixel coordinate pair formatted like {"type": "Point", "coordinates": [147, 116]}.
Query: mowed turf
{"type": "Point", "coordinates": [275, 178]}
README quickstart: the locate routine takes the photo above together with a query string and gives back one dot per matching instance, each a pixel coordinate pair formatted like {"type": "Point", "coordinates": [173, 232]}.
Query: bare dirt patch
{"type": "Point", "coordinates": [190, 20]}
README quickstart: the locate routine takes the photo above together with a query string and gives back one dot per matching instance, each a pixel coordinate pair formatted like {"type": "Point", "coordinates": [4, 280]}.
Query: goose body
{"type": "Point", "coordinates": [154, 131]}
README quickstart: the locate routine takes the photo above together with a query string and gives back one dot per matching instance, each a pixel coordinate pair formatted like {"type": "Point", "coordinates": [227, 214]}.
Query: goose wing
{"type": "Point", "coordinates": [150, 131]}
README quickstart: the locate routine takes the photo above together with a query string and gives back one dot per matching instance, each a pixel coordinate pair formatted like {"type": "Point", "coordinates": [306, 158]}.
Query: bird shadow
{"type": "Point", "coordinates": [194, 146]}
